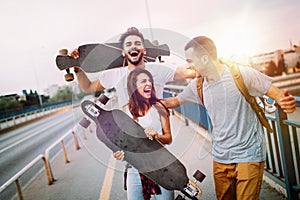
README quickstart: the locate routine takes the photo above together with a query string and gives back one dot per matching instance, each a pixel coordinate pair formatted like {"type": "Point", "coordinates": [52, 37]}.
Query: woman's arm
{"type": "Point", "coordinates": [164, 116]}
{"type": "Point", "coordinates": [166, 137]}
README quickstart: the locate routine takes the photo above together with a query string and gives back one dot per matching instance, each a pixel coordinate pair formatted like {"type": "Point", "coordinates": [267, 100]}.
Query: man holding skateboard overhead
{"type": "Point", "coordinates": [239, 150]}
{"type": "Point", "coordinates": [133, 52]}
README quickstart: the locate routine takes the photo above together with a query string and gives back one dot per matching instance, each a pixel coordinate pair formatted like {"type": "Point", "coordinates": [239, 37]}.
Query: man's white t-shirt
{"type": "Point", "coordinates": [117, 78]}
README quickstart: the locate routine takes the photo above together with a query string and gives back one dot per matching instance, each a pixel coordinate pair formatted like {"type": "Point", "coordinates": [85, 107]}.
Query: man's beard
{"type": "Point", "coordinates": [136, 62]}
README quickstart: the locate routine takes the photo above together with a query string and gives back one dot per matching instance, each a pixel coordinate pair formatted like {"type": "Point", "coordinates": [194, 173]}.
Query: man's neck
{"type": "Point", "coordinates": [215, 72]}
{"type": "Point", "coordinates": [132, 66]}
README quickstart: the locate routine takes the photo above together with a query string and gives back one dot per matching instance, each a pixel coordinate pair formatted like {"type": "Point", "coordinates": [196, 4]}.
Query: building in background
{"type": "Point", "coordinates": [277, 62]}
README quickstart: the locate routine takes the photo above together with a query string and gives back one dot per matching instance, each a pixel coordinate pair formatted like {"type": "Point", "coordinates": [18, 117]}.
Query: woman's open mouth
{"type": "Point", "coordinates": [147, 91]}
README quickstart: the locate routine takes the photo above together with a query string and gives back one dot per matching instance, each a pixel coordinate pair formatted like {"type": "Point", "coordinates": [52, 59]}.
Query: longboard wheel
{"type": "Point", "coordinates": [199, 176]}
{"type": "Point", "coordinates": [63, 52]}
{"type": "Point", "coordinates": [84, 122]}
{"type": "Point", "coordinates": [103, 99]}
{"type": "Point", "coordinates": [69, 77]}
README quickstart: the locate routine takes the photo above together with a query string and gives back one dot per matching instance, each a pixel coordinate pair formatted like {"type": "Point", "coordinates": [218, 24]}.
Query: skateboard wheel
{"type": "Point", "coordinates": [63, 52]}
{"type": "Point", "coordinates": [199, 176]}
{"type": "Point", "coordinates": [103, 99]}
{"type": "Point", "coordinates": [84, 122]}
{"type": "Point", "coordinates": [69, 77]}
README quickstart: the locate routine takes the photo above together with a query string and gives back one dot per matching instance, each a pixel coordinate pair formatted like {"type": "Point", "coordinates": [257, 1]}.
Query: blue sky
{"type": "Point", "coordinates": [33, 31]}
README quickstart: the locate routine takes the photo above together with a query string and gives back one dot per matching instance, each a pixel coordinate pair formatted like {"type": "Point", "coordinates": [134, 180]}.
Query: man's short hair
{"type": "Point", "coordinates": [131, 31]}
{"type": "Point", "coordinates": [203, 43]}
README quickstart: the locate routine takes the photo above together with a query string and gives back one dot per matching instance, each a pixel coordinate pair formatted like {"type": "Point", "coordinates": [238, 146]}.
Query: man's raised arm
{"type": "Point", "coordinates": [85, 83]}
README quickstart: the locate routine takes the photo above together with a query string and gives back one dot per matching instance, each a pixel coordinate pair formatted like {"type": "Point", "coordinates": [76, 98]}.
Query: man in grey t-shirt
{"type": "Point", "coordinates": [237, 136]}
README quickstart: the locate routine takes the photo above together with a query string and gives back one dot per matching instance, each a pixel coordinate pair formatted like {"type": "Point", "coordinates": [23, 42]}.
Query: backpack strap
{"type": "Point", "coordinates": [199, 85]}
{"type": "Point", "coordinates": [239, 81]}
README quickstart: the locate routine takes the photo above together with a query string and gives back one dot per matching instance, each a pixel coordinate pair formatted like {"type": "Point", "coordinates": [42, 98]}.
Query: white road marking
{"type": "Point", "coordinates": [26, 138]}
{"type": "Point", "coordinates": [107, 183]}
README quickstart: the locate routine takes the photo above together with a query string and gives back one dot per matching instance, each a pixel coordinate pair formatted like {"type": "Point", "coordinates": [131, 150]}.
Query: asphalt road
{"type": "Point", "coordinates": [20, 146]}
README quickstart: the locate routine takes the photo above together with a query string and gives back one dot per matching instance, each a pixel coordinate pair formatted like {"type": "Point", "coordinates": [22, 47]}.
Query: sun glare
{"type": "Point", "coordinates": [238, 41]}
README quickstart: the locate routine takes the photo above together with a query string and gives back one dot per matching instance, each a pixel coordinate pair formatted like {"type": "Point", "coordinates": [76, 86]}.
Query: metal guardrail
{"type": "Point", "coordinates": [283, 160]}
{"type": "Point", "coordinates": [16, 177]}
{"type": "Point", "coordinates": [4, 115]}
{"type": "Point", "coordinates": [29, 115]}
{"type": "Point", "coordinates": [47, 154]}
{"type": "Point", "coordinates": [47, 164]}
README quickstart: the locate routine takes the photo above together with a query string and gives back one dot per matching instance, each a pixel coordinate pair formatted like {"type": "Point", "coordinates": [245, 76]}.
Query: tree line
{"type": "Point", "coordinates": [15, 103]}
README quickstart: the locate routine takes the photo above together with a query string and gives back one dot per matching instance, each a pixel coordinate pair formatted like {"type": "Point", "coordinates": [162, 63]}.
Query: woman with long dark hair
{"type": "Point", "coordinates": [145, 108]}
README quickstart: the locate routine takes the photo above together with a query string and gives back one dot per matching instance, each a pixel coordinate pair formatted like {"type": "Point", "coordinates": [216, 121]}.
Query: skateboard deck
{"type": "Point", "coordinates": [119, 132]}
{"type": "Point", "coordinates": [98, 57]}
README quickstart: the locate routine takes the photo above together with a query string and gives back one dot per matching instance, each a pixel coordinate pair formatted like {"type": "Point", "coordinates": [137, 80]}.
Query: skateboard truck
{"type": "Point", "coordinates": [68, 76]}
{"type": "Point", "coordinates": [84, 122]}
{"type": "Point", "coordinates": [192, 189]}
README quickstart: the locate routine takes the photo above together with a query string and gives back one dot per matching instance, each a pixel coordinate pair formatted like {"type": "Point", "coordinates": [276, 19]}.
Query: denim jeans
{"type": "Point", "coordinates": [134, 187]}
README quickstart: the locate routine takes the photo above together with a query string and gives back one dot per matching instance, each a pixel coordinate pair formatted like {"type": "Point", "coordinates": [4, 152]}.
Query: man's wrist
{"type": "Point", "coordinates": [77, 70]}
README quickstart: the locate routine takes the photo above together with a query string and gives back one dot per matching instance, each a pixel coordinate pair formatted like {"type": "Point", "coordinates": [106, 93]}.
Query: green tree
{"type": "Point", "coordinates": [10, 104]}
{"type": "Point", "coordinates": [64, 94]}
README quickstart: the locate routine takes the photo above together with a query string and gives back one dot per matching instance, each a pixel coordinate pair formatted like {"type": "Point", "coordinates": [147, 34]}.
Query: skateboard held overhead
{"type": "Point", "coordinates": [119, 132]}
{"type": "Point", "coordinates": [98, 57]}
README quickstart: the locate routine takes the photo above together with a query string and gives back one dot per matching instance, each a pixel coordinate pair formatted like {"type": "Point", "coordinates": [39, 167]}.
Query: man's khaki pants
{"type": "Point", "coordinates": [238, 181]}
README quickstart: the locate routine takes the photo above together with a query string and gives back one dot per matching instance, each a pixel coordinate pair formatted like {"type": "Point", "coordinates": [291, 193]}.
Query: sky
{"type": "Point", "coordinates": [33, 31]}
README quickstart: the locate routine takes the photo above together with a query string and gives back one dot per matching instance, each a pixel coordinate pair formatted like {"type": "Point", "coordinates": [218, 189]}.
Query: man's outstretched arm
{"type": "Point", "coordinates": [171, 102]}
{"type": "Point", "coordinates": [182, 73]}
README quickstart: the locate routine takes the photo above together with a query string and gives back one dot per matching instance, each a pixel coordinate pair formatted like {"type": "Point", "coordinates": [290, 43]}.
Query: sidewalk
{"type": "Point", "coordinates": [83, 177]}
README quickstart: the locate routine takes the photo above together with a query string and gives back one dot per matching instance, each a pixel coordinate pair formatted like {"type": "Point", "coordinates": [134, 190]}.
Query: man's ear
{"type": "Point", "coordinates": [204, 59]}
{"type": "Point", "coordinates": [145, 51]}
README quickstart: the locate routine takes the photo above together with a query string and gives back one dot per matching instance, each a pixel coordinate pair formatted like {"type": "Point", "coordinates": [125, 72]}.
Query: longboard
{"type": "Point", "coordinates": [98, 57]}
{"type": "Point", "coordinates": [119, 132]}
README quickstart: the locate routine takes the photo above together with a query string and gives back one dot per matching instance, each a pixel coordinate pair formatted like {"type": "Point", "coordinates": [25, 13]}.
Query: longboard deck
{"type": "Point", "coordinates": [98, 57]}
{"type": "Point", "coordinates": [119, 132]}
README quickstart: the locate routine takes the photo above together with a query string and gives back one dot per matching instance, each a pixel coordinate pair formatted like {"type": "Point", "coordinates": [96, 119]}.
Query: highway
{"type": "Point", "coordinates": [20, 146]}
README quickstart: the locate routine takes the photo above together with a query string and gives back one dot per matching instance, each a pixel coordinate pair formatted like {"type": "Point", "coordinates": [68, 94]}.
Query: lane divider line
{"type": "Point", "coordinates": [28, 137]}
{"type": "Point", "coordinates": [107, 183]}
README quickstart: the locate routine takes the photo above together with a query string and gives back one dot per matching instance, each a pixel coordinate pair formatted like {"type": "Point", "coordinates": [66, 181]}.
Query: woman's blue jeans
{"type": "Point", "coordinates": [134, 187]}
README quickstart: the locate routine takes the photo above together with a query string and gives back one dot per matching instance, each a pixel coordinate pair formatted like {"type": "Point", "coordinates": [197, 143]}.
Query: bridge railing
{"type": "Point", "coordinates": [8, 120]}
{"type": "Point", "coordinates": [16, 177]}
{"type": "Point", "coordinates": [47, 153]}
{"type": "Point", "coordinates": [282, 164]}
{"type": "Point", "coordinates": [46, 160]}
{"type": "Point", "coordinates": [283, 161]}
